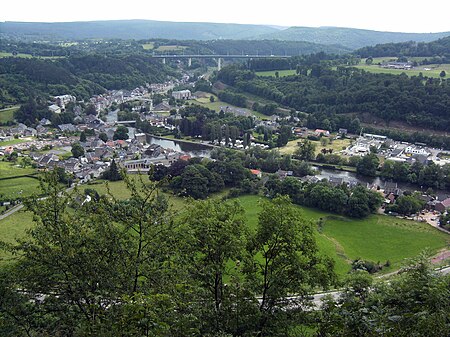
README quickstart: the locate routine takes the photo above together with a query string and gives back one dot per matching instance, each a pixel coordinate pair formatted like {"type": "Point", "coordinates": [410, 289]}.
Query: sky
{"type": "Point", "coordinates": [382, 15]}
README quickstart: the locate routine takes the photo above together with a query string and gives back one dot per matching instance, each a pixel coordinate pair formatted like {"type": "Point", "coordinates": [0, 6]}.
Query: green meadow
{"type": "Point", "coordinates": [281, 73]}
{"type": "Point", "coordinates": [7, 115]}
{"type": "Point", "coordinates": [377, 238]}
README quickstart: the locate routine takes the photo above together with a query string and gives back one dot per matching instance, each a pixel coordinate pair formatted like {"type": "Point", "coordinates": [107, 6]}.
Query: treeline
{"type": "Point", "coordinates": [199, 178]}
{"type": "Point", "coordinates": [429, 176]}
{"type": "Point", "coordinates": [81, 76]}
{"type": "Point", "coordinates": [297, 62]}
{"type": "Point", "coordinates": [440, 47]}
{"type": "Point", "coordinates": [356, 202]}
{"type": "Point", "coordinates": [416, 100]}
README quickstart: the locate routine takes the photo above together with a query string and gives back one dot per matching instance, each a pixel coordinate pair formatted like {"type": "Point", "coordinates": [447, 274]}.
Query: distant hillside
{"type": "Point", "coordinates": [438, 48]}
{"type": "Point", "coordinates": [81, 76]}
{"type": "Point", "coordinates": [131, 29]}
{"type": "Point", "coordinates": [349, 37]}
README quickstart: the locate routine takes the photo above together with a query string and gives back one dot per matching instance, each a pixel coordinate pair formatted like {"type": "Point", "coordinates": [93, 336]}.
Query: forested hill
{"type": "Point", "coordinates": [439, 47]}
{"type": "Point", "coordinates": [349, 37]}
{"type": "Point", "coordinates": [131, 29]}
{"type": "Point", "coordinates": [81, 76]}
{"type": "Point", "coordinates": [271, 47]}
{"type": "Point", "coordinates": [327, 94]}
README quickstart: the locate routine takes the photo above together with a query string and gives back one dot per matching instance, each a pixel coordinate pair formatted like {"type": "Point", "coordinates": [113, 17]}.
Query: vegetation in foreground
{"type": "Point", "coordinates": [114, 267]}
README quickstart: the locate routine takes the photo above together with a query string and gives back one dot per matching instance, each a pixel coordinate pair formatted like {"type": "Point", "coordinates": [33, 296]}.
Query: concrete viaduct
{"type": "Point", "coordinates": [219, 57]}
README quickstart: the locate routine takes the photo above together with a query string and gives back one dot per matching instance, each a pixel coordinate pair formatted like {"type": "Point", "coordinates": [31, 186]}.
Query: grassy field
{"type": "Point", "coordinates": [336, 145]}
{"type": "Point", "coordinates": [3, 54]}
{"type": "Point", "coordinates": [281, 73]}
{"type": "Point", "coordinates": [377, 238]}
{"type": "Point", "coordinates": [148, 46]}
{"type": "Point", "coordinates": [8, 169]}
{"type": "Point", "coordinates": [7, 115]}
{"type": "Point", "coordinates": [434, 72]}
{"type": "Point", "coordinates": [218, 104]}
{"type": "Point", "coordinates": [15, 141]}
{"type": "Point", "coordinates": [170, 48]}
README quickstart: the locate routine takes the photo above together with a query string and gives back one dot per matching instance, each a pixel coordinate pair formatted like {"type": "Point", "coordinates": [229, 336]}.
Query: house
{"type": "Point", "coordinates": [182, 94]}
{"type": "Point", "coordinates": [140, 137]}
{"type": "Point", "coordinates": [67, 128]}
{"type": "Point", "coordinates": [256, 173]}
{"type": "Point", "coordinates": [342, 131]}
{"type": "Point", "coordinates": [319, 132]}
{"type": "Point", "coordinates": [48, 160]}
{"type": "Point", "coordinates": [55, 109]}
{"type": "Point", "coordinates": [335, 181]}
{"type": "Point", "coordinates": [443, 205]}
{"type": "Point", "coordinates": [283, 174]}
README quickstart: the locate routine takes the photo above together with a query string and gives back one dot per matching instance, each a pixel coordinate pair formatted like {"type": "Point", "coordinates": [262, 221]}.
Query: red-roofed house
{"type": "Point", "coordinates": [256, 173]}
{"type": "Point", "coordinates": [318, 132]}
{"type": "Point", "coordinates": [185, 157]}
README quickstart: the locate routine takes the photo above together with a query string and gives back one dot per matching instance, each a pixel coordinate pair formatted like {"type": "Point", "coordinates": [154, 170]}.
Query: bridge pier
{"type": "Point", "coordinates": [164, 60]}
{"type": "Point", "coordinates": [219, 64]}
{"type": "Point", "coordinates": [190, 62]}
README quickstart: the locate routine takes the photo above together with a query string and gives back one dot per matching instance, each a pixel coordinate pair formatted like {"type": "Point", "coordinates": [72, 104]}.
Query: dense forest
{"type": "Point", "coordinates": [438, 48]}
{"type": "Point", "coordinates": [418, 101]}
{"type": "Point", "coordinates": [81, 76]}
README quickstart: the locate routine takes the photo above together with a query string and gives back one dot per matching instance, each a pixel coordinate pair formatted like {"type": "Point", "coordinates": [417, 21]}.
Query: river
{"type": "Point", "coordinates": [198, 150]}
{"type": "Point", "coordinates": [353, 177]}
{"type": "Point", "coordinates": [204, 151]}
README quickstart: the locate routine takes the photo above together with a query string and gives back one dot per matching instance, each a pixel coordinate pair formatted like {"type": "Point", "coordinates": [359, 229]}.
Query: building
{"type": "Point", "coordinates": [319, 132]}
{"type": "Point", "coordinates": [256, 173]}
{"type": "Point", "coordinates": [55, 108]}
{"type": "Point", "coordinates": [182, 94]}
{"type": "Point", "coordinates": [443, 205]}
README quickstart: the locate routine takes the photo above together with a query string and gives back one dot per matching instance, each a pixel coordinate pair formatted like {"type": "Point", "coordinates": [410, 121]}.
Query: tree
{"type": "Point", "coordinates": [121, 133]}
{"type": "Point", "coordinates": [368, 165]}
{"type": "Point", "coordinates": [77, 150]}
{"type": "Point", "coordinates": [285, 134]}
{"type": "Point", "coordinates": [306, 150]}
{"type": "Point", "coordinates": [409, 204]}
{"type": "Point", "coordinates": [112, 174]}
{"type": "Point", "coordinates": [98, 268]}
{"type": "Point", "coordinates": [442, 73]}
{"type": "Point", "coordinates": [211, 98]}
{"type": "Point", "coordinates": [103, 136]}
{"type": "Point", "coordinates": [193, 183]}
{"type": "Point", "coordinates": [83, 137]}
{"type": "Point", "coordinates": [283, 260]}
{"type": "Point", "coordinates": [216, 232]}
{"type": "Point", "coordinates": [90, 110]}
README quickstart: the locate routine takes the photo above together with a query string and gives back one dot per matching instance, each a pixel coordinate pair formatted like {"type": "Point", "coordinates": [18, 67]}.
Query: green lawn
{"type": "Point", "coordinates": [7, 115]}
{"type": "Point", "coordinates": [217, 104]}
{"type": "Point", "coordinates": [336, 145]}
{"type": "Point", "coordinates": [12, 228]}
{"type": "Point", "coordinates": [434, 72]}
{"type": "Point", "coordinates": [19, 187]}
{"type": "Point", "coordinates": [8, 169]}
{"type": "Point", "coordinates": [281, 73]}
{"type": "Point", "coordinates": [170, 48]}
{"type": "Point", "coordinates": [377, 238]}
{"type": "Point", "coordinates": [148, 46]}
{"type": "Point", "coordinates": [15, 141]}
{"type": "Point", "coordinates": [3, 54]}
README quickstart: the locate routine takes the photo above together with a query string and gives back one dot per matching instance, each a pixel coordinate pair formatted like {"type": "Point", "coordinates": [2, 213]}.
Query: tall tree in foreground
{"type": "Point", "coordinates": [284, 263]}
{"type": "Point", "coordinates": [216, 232]}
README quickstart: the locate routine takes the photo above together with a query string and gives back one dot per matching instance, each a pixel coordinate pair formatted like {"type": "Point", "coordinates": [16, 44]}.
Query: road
{"type": "Point", "coordinates": [11, 211]}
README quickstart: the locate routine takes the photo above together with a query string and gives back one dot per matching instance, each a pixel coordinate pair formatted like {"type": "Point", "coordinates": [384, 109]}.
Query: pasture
{"type": "Point", "coordinates": [281, 73]}
{"type": "Point", "coordinates": [7, 115]}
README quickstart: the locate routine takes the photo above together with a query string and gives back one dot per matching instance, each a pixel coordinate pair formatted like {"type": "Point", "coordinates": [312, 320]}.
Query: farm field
{"type": "Point", "coordinates": [281, 73]}
{"type": "Point", "coordinates": [148, 46]}
{"type": "Point", "coordinates": [217, 105]}
{"type": "Point", "coordinates": [434, 70]}
{"type": "Point", "coordinates": [336, 145]}
{"type": "Point", "coordinates": [7, 115]}
{"type": "Point", "coordinates": [377, 238]}
{"type": "Point", "coordinates": [170, 48]}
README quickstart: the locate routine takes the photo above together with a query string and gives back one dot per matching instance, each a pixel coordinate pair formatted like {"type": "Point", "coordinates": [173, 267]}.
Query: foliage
{"type": "Point", "coordinates": [77, 150]}
{"type": "Point", "coordinates": [112, 173]}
